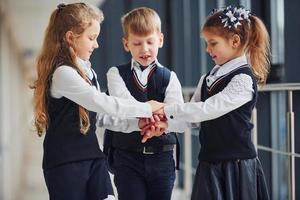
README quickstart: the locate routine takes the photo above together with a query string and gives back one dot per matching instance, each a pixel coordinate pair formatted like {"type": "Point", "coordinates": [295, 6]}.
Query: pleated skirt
{"type": "Point", "coordinates": [230, 180]}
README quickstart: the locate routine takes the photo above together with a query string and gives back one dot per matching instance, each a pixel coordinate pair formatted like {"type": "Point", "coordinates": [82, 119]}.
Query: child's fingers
{"type": "Point", "coordinates": [161, 124]}
{"type": "Point", "coordinates": [162, 130]}
{"type": "Point", "coordinates": [146, 136]}
{"type": "Point", "coordinates": [144, 139]}
{"type": "Point", "coordinates": [151, 119]}
{"type": "Point", "coordinates": [162, 117]}
{"type": "Point", "coordinates": [146, 128]}
{"type": "Point", "coordinates": [156, 118]}
{"type": "Point", "coordinates": [147, 120]}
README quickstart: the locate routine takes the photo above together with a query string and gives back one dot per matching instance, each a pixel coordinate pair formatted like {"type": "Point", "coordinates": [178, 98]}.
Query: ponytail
{"type": "Point", "coordinates": [258, 49]}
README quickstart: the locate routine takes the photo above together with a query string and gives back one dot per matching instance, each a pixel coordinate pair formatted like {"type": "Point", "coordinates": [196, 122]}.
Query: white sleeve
{"type": "Point", "coordinates": [173, 92]}
{"type": "Point", "coordinates": [68, 83]}
{"type": "Point", "coordinates": [117, 124]}
{"type": "Point", "coordinates": [238, 92]}
{"type": "Point", "coordinates": [179, 125]}
{"type": "Point", "coordinates": [116, 85]}
{"type": "Point", "coordinates": [173, 95]}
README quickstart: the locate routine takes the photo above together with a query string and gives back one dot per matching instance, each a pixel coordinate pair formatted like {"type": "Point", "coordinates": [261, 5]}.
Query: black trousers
{"type": "Point", "coordinates": [82, 180]}
{"type": "Point", "coordinates": [139, 176]}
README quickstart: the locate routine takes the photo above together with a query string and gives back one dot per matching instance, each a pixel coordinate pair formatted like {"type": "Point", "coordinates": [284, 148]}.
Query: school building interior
{"type": "Point", "coordinates": [276, 117]}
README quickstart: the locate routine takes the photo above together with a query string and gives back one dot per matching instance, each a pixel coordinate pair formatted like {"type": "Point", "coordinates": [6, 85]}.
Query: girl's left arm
{"type": "Point", "coordinates": [238, 92]}
{"type": "Point", "coordinates": [68, 83]}
{"type": "Point", "coordinates": [177, 125]}
{"type": "Point", "coordinates": [173, 95]}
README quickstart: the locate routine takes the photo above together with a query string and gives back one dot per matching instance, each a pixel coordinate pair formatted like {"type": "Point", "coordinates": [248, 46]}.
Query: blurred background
{"type": "Point", "coordinates": [276, 118]}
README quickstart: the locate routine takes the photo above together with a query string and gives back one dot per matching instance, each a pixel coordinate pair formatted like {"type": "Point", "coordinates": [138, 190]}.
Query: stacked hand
{"type": "Point", "coordinates": [156, 125]}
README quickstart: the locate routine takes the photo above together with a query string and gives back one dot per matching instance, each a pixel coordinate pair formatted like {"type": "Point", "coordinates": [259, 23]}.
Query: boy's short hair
{"type": "Point", "coordinates": [141, 21]}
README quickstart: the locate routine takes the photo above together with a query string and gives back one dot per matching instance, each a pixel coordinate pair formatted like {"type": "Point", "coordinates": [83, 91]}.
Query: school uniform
{"type": "Point", "coordinates": [143, 170]}
{"type": "Point", "coordinates": [228, 164]}
{"type": "Point", "coordinates": [74, 165]}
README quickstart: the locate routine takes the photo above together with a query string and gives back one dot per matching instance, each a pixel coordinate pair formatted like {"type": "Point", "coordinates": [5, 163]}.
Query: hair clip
{"type": "Point", "coordinates": [61, 6]}
{"type": "Point", "coordinates": [231, 16]}
{"type": "Point", "coordinates": [214, 11]}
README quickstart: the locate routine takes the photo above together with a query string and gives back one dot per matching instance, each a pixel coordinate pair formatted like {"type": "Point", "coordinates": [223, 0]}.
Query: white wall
{"type": "Point", "coordinates": [15, 106]}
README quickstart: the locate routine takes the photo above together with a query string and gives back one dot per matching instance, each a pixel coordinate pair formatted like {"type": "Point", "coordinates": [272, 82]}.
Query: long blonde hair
{"type": "Point", "coordinates": [74, 17]}
{"type": "Point", "coordinates": [254, 39]}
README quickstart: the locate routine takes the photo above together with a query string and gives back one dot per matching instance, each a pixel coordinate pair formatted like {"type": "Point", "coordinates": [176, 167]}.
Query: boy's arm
{"type": "Point", "coordinates": [173, 92]}
{"type": "Point", "coordinates": [116, 85]}
{"type": "Point", "coordinates": [118, 124]}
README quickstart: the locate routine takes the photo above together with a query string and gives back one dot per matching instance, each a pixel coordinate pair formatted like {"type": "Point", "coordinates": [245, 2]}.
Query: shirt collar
{"type": "Point", "coordinates": [229, 66]}
{"type": "Point", "coordinates": [136, 65]}
{"type": "Point", "coordinates": [86, 66]}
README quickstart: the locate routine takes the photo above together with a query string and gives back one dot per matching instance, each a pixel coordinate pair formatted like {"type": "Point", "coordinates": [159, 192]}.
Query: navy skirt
{"type": "Point", "coordinates": [231, 180]}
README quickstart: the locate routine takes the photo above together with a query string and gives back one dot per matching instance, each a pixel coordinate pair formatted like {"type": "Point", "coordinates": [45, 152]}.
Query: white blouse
{"type": "Point", "coordinates": [66, 82]}
{"type": "Point", "coordinates": [118, 88]}
{"type": "Point", "coordinates": [238, 92]}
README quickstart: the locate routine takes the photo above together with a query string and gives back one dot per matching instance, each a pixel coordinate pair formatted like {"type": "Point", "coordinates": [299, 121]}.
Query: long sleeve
{"type": "Point", "coordinates": [117, 87]}
{"type": "Point", "coordinates": [68, 83]}
{"type": "Point", "coordinates": [117, 124]}
{"type": "Point", "coordinates": [238, 92]}
{"type": "Point", "coordinates": [173, 95]}
{"type": "Point", "coordinates": [179, 125]}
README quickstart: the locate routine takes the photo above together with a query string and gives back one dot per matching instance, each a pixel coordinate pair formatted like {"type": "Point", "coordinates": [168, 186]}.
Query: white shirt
{"type": "Point", "coordinates": [66, 82]}
{"type": "Point", "coordinates": [238, 92]}
{"type": "Point", "coordinates": [118, 88]}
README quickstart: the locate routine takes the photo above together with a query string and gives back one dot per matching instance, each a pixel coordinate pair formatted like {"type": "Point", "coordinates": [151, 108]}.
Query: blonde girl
{"type": "Point", "coordinates": [66, 100]}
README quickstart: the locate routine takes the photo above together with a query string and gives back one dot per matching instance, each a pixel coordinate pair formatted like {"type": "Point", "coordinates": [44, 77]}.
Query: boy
{"type": "Point", "coordinates": [143, 171]}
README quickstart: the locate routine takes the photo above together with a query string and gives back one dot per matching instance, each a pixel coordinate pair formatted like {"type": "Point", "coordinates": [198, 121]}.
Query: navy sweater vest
{"type": "Point", "coordinates": [157, 83]}
{"type": "Point", "coordinates": [63, 140]}
{"type": "Point", "coordinates": [229, 136]}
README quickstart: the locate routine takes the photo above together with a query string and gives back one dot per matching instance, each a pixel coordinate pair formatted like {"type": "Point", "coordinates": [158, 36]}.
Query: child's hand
{"type": "Point", "coordinates": [146, 121]}
{"type": "Point", "coordinates": [155, 105]}
{"type": "Point", "coordinates": [153, 129]}
{"type": "Point", "coordinates": [160, 112]}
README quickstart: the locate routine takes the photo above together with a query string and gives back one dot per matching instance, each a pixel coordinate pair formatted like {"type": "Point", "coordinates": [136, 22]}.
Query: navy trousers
{"type": "Point", "coordinates": [140, 176]}
{"type": "Point", "coordinates": [82, 180]}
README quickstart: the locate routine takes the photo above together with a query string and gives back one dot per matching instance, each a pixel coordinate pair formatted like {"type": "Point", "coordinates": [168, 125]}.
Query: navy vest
{"type": "Point", "coordinates": [157, 83]}
{"type": "Point", "coordinates": [63, 141]}
{"type": "Point", "coordinates": [229, 136]}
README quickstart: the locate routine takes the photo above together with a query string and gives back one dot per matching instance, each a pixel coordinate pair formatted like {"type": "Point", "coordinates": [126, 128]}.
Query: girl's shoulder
{"type": "Point", "coordinates": [65, 73]}
{"type": "Point", "coordinates": [64, 69]}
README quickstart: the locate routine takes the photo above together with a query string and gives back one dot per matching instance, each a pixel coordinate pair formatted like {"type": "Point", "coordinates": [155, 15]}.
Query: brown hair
{"type": "Point", "coordinates": [254, 39]}
{"type": "Point", "coordinates": [56, 50]}
{"type": "Point", "coordinates": [141, 21]}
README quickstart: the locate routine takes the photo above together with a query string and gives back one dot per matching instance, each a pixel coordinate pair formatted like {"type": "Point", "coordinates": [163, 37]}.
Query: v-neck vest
{"type": "Point", "coordinates": [158, 81]}
{"type": "Point", "coordinates": [229, 136]}
{"type": "Point", "coordinates": [63, 141]}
